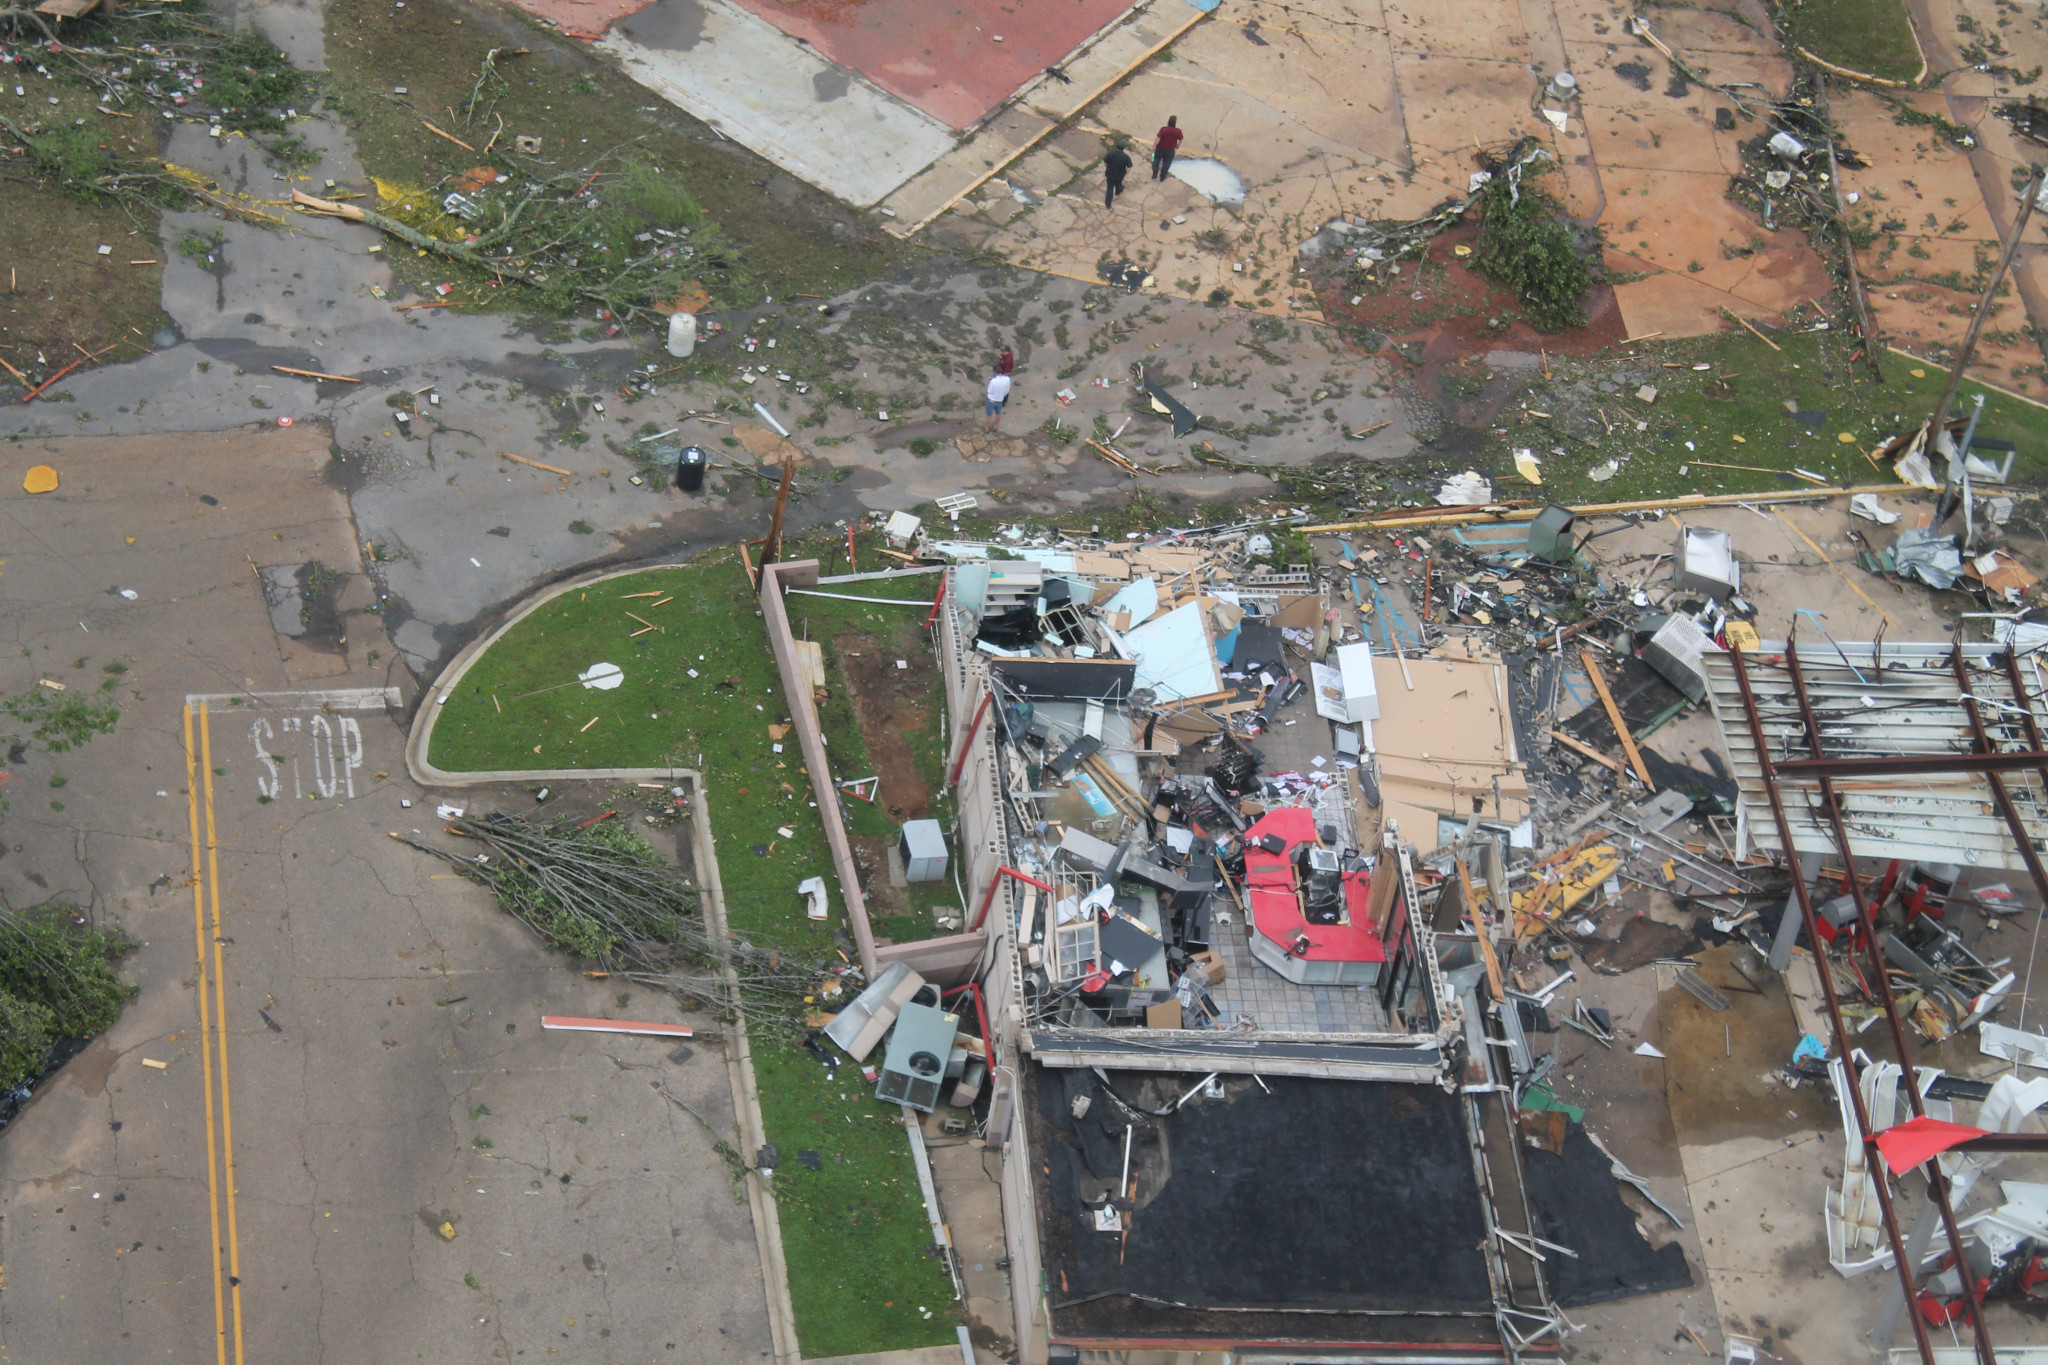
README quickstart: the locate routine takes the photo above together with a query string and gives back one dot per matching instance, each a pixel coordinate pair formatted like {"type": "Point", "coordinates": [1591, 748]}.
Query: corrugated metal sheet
{"type": "Point", "coordinates": [1911, 706]}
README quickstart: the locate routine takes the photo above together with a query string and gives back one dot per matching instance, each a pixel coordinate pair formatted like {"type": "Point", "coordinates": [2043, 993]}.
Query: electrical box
{"type": "Point", "coordinates": [914, 1067]}
{"type": "Point", "coordinates": [923, 847]}
{"type": "Point", "coordinates": [1705, 563]}
{"type": "Point", "coordinates": [1550, 535]}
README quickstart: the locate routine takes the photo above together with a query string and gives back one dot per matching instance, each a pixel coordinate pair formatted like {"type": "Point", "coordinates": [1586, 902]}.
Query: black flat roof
{"type": "Point", "coordinates": [1290, 1208]}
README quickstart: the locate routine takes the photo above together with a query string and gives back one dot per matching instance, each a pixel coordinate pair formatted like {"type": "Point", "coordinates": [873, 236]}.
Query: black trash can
{"type": "Point", "coordinates": [690, 470]}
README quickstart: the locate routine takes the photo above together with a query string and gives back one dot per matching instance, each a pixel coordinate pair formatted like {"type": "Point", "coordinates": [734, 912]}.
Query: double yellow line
{"type": "Point", "coordinates": [213, 1038]}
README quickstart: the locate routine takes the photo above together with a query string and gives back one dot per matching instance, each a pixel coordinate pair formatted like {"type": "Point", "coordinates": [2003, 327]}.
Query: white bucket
{"type": "Point", "coordinates": [682, 334]}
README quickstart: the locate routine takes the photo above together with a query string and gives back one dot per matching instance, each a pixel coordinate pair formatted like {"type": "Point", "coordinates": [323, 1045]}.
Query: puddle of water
{"type": "Point", "coordinates": [1210, 178]}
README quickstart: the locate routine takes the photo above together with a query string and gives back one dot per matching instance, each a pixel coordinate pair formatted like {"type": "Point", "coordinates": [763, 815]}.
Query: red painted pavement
{"type": "Point", "coordinates": [942, 55]}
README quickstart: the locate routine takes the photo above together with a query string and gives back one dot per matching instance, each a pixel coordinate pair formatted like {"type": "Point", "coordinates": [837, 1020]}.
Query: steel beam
{"type": "Point", "coordinates": [1873, 1159]}
{"type": "Point", "coordinates": [1909, 765]}
{"type": "Point", "coordinates": [2000, 797]}
{"type": "Point", "coordinates": [1866, 916]}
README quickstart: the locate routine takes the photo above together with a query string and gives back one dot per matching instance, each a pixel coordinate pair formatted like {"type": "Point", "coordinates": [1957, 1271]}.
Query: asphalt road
{"type": "Point", "coordinates": [351, 1037]}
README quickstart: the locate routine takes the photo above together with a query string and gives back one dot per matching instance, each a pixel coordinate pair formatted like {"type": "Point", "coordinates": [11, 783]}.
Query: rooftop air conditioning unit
{"type": "Point", "coordinates": [914, 1067]}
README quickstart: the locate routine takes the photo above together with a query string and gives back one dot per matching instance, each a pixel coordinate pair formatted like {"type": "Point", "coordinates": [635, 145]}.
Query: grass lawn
{"type": "Point", "coordinates": [1743, 420]}
{"type": "Point", "coordinates": [780, 236]}
{"type": "Point", "coordinates": [65, 292]}
{"type": "Point", "coordinates": [1871, 36]}
{"type": "Point", "coordinates": [854, 1231]}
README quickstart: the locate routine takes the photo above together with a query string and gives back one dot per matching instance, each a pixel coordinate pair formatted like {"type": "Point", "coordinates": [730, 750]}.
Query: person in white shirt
{"type": "Point", "coordinates": [998, 395]}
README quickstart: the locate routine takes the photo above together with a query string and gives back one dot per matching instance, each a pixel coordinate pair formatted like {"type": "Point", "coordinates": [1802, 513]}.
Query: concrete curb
{"type": "Point", "coordinates": [421, 737]}
{"type": "Point", "coordinates": [746, 1095]}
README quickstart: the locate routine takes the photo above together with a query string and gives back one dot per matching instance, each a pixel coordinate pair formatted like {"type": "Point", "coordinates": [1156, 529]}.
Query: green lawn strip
{"type": "Point", "coordinates": [798, 240]}
{"type": "Point", "coordinates": [854, 1232]}
{"type": "Point", "coordinates": [1813, 369]}
{"type": "Point", "coordinates": [658, 715]}
{"type": "Point", "coordinates": [1871, 36]}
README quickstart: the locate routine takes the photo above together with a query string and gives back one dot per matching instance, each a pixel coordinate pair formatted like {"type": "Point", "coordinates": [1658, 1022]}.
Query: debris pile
{"type": "Point", "coordinates": [1242, 765]}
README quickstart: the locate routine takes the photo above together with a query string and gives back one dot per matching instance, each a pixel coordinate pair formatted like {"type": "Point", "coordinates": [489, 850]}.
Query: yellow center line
{"type": "Point", "coordinates": [227, 1121]}
{"type": "Point", "coordinates": [192, 798]}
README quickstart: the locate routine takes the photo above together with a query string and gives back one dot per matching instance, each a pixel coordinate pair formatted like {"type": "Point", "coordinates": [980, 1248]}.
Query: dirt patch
{"type": "Point", "coordinates": [871, 856]}
{"type": "Point", "coordinates": [890, 702]}
{"type": "Point", "coordinates": [1721, 1076]}
{"type": "Point", "coordinates": [1642, 942]}
{"type": "Point", "coordinates": [1444, 318]}
{"type": "Point", "coordinates": [65, 294]}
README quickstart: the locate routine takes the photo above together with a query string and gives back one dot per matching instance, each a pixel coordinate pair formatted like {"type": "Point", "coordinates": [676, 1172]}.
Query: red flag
{"type": "Point", "coordinates": [1915, 1140]}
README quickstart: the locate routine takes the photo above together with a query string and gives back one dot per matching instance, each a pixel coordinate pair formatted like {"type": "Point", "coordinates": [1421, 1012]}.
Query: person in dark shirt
{"type": "Point", "coordinates": [1165, 143]}
{"type": "Point", "coordinates": [1115, 167]}
{"type": "Point", "coordinates": [1006, 363]}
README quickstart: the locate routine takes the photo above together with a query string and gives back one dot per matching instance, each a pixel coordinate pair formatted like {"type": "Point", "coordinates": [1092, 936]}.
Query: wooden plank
{"type": "Point", "coordinates": [1628, 741]}
{"type": "Point", "coordinates": [286, 369]}
{"type": "Point", "coordinates": [1588, 750]}
{"type": "Point", "coordinates": [534, 464]}
{"type": "Point", "coordinates": [810, 658]}
{"type": "Point", "coordinates": [1479, 929]}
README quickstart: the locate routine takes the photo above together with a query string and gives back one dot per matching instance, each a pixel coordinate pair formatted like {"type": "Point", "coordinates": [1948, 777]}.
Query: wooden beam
{"type": "Point", "coordinates": [534, 464]}
{"type": "Point", "coordinates": [309, 374]}
{"type": "Point", "coordinates": [1588, 750]}
{"type": "Point", "coordinates": [772, 551]}
{"type": "Point", "coordinates": [1479, 929]}
{"type": "Point", "coordinates": [1628, 741]}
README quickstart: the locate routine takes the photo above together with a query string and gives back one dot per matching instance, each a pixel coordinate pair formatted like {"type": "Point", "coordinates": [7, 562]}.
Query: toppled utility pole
{"type": "Point", "coordinates": [1872, 348]}
{"type": "Point", "coordinates": [1969, 346]}
{"type": "Point", "coordinates": [772, 551]}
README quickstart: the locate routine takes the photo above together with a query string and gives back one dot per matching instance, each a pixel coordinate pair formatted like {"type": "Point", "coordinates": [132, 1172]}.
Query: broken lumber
{"type": "Point", "coordinates": [315, 374]}
{"type": "Point", "coordinates": [1111, 456]}
{"type": "Point", "coordinates": [1754, 332]}
{"type": "Point", "coordinates": [1479, 930]}
{"type": "Point", "coordinates": [1586, 749]}
{"type": "Point", "coordinates": [31, 394]}
{"type": "Point", "coordinates": [536, 464]}
{"type": "Point", "coordinates": [437, 132]}
{"type": "Point", "coordinates": [1466, 517]}
{"type": "Point", "coordinates": [1628, 741]}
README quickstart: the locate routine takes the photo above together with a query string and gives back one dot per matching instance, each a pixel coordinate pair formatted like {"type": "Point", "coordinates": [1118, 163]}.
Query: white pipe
{"type": "Point", "coordinates": [769, 418]}
{"type": "Point", "coordinates": [843, 597]}
{"type": "Point", "coordinates": [940, 1234]}
{"type": "Point", "coordinates": [1191, 1093]}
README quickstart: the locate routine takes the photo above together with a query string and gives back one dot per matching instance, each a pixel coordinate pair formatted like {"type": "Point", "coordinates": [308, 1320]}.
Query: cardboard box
{"type": "Point", "coordinates": [1163, 1016]}
{"type": "Point", "coordinates": [1211, 963]}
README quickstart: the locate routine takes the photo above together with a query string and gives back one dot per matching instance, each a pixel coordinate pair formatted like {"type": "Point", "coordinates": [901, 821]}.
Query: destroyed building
{"type": "Point", "coordinates": [1255, 1086]}
{"type": "Point", "coordinates": [1264, 914]}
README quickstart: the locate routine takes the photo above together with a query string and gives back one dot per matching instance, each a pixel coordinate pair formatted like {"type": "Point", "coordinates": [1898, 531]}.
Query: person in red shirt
{"type": "Point", "coordinates": [1164, 145]}
{"type": "Point", "coordinates": [1006, 363]}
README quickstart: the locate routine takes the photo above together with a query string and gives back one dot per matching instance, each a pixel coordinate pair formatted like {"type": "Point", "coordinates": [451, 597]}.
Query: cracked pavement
{"type": "Point", "coordinates": [387, 1070]}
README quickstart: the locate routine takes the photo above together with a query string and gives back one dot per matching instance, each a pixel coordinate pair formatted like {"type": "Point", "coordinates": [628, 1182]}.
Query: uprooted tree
{"type": "Point", "coordinates": [599, 892]}
{"type": "Point", "coordinates": [57, 984]}
{"type": "Point", "coordinates": [1526, 243]}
